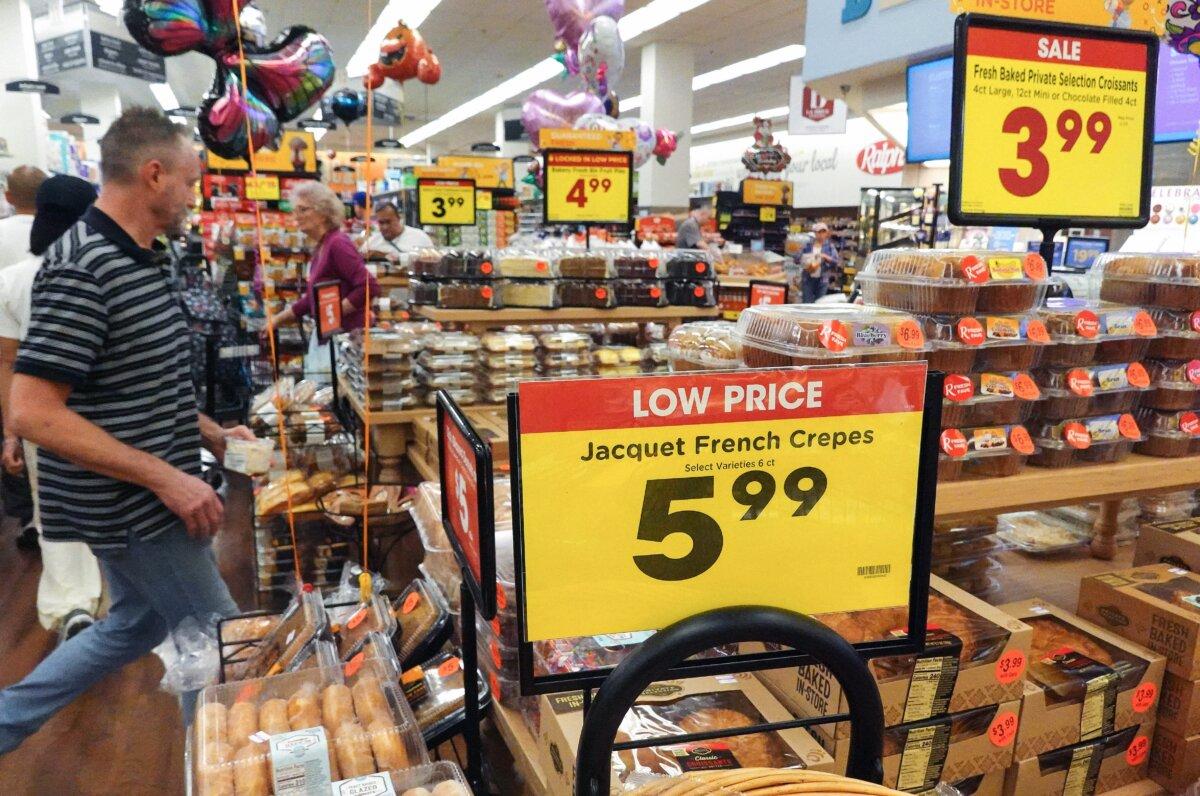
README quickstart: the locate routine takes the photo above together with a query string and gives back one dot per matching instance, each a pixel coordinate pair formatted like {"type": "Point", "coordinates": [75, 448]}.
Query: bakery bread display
{"type": "Point", "coordinates": [808, 334]}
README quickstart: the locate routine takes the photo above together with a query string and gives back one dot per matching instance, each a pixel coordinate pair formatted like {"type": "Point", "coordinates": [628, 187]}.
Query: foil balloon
{"type": "Point", "coordinates": [547, 109]}
{"type": "Point", "coordinates": [598, 121]}
{"type": "Point", "coordinates": [404, 55]}
{"type": "Point", "coordinates": [643, 140]}
{"type": "Point", "coordinates": [601, 55]}
{"type": "Point", "coordinates": [571, 18]}
{"type": "Point", "coordinates": [347, 105]}
{"type": "Point", "coordinates": [665, 144]}
{"type": "Point", "coordinates": [1183, 26]}
{"type": "Point", "coordinates": [612, 104]}
{"type": "Point", "coordinates": [283, 78]}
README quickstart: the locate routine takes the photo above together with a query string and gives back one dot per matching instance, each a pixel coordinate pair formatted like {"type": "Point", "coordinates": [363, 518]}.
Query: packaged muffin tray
{"type": "Point", "coordinates": [938, 281]}
{"type": "Point", "coordinates": [1169, 434]}
{"type": "Point", "coordinates": [809, 334]}
{"type": "Point", "coordinates": [1090, 332]}
{"type": "Point", "coordinates": [991, 451]}
{"type": "Point", "coordinates": [1038, 533]}
{"type": "Point", "coordinates": [1170, 281]}
{"type": "Point", "coordinates": [988, 399]}
{"type": "Point", "coordinates": [1088, 440]}
{"type": "Point", "coordinates": [964, 343]}
{"type": "Point", "coordinates": [1100, 389]}
{"type": "Point", "coordinates": [704, 345]}
{"type": "Point", "coordinates": [366, 726]}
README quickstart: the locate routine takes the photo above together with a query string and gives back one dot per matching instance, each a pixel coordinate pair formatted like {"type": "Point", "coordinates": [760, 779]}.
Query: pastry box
{"type": "Point", "coordinates": [808, 334]}
{"type": "Point", "coordinates": [964, 343]}
{"type": "Point", "coordinates": [1171, 281]}
{"type": "Point", "coordinates": [1178, 334]}
{"type": "Point", "coordinates": [1100, 765]}
{"type": "Point", "coordinates": [940, 281]}
{"type": "Point", "coordinates": [1174, 385]}
{"type": "Point", "coordinates": [1174, 542]}
{"type": "Point", "coordinates": [422, 621]}
{"type": "Point", "coordinates": [704, 345]}
{"type": "Point", "coordinates": [1095, 390]}
{"type": "Point", "coordinates": [285, 647]}
{"type": "Point", "coordinates": [992, 451]}
{"type": "Point", "coordinates": [983, 399]}
{"type": "Point", "coordinates": [975, 656]}
{"type": "Point", "coordinates": [1174, 760]}
{"type": "Point", "coordinates": [693, 264]}
{"type": "Point", "coordinates": [1082, 682]}
{"type": "Point", "coordinates": [525, 264]}
{"type": "Point", "coordinates": [1095, 332]}
{"type": "Point", "coordinates": [1039, 533]}
{"type": "Point", "coordinates": [960, 746]}
{"type": "Point", "coordinates": [676, 707]}
{"type": "Point", "coordinates": [1179, 706]}
{"type": "Point", "coordinates": [1087, 440]}
{"type": "Point", "coordinates": [1169, 434]}
{"type": "Point", "coordinates": [1156, 605]}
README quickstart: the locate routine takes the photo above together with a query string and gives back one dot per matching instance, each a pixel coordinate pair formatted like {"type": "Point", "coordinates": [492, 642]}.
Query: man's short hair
{"type": "Point", "coordinates": [23, 184]}
{"type": "Point", "coordinates": [138, 135]}
{"type": "Point", "coordinates": [388, 206]}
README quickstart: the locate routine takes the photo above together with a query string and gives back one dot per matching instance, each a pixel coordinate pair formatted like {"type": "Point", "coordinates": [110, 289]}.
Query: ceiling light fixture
{"type": "Point", "coordinates": [632, 25]}
{"type": "Point", "coordinates": [738, 121]}
{"type": "Point", "coordinates": [784, 55]}
{"type": "Point", "coordinates": [412, 12]}
{"type": "Point", "coordinates": [165, 96]}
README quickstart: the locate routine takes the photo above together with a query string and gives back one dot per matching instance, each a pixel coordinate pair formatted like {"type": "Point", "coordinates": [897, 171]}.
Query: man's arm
{"type": "Point", "coordinates": [40, 414]}
{"type": "Point", "coordinates": [214, 435]}
{"type": "Point", "coordinates": [12, 457]}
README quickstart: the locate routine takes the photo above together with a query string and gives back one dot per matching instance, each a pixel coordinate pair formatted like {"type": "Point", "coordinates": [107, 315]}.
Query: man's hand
{"type": "Point", "coordinates": [194, 502]}
{"type": "Point", "coordinates": [216, 443]}
{"type": "Point", "coordinates": [13, 457]}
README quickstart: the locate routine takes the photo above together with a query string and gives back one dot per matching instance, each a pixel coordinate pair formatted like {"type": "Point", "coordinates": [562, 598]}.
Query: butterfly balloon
{"type": "Point", "coordinates": [283, 78]}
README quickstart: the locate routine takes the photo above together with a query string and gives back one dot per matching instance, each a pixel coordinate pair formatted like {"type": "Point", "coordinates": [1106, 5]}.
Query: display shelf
{"type": "Point", "coordinates": [744, 281]}
{"type": "Point", "coordinates": [513, 315]}
{"type": "Point", "coordinates": [522, 745]}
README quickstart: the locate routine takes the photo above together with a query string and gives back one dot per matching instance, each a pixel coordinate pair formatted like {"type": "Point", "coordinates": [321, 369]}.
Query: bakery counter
{"type": "Point", "coordinates": [481, 320]}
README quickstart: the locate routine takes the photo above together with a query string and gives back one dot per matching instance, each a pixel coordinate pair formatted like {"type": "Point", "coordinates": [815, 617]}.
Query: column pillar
{"type": "Point", "coordinates": [667, 102]}
{"type": "Point", "coordinates": [24, 127]}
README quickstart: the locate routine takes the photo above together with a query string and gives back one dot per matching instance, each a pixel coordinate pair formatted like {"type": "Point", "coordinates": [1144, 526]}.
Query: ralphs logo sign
{"type": "Point", "coordinates": [881, 157]}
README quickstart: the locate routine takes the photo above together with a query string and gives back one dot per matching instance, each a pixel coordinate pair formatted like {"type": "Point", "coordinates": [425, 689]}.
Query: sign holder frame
{"type": "Point", "coordinates": [1048, 226]}
{"type": "Point", "coordinates": [627, 223]}
{"type": "Point", "coordinates": [770, 286]}
{"type": "Point", "coordinates": [918, 597]}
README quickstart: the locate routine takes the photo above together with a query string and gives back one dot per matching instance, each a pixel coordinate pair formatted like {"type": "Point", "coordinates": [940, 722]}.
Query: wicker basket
{"type": "Point", "coordinates": [762, 782]}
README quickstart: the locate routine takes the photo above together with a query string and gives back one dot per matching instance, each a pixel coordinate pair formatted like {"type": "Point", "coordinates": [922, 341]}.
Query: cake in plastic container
{"type": "Point", "coordinates": [1095, 390]}
{"type": "Point", "coordinates": [1088, 332]}
{"type": "Point", "coordinates": [1089, 440]}
{"type": "Point", "coordinates": [1169, 434]}
{"type": "Point", "coordinates": [1175, 385]}
{"type": "Point", "coordinates": [943, 281]}
{"type": "Point", "coordinates": [1170, 281]}
{"type": "Point", "coordinates": [991, 451]}
{"type": "Point", "coordinates": [836, 334]}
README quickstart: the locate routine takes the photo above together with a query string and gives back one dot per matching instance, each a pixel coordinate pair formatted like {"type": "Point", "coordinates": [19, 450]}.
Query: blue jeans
{"type": "Point", "coordinates": [813, 287]}
{"type": "Point", "coordinates": [154, 585]}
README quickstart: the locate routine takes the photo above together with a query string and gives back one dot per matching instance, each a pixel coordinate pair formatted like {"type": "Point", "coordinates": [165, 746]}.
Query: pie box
{"type": "Point", "coordinates": [956, 747]}
{"type": "Point", "coordinates": [993, 673]}
{"type": "Point", "coordinates": [989, 784]}
{"type": "Point", "coordinates": [1179, 706]}
{"type": "Point", "coordinates": [1155, 605]}
{"type": "Point", "coordinates": [562, 723]}
{"type": "Point", "coordinates": [1069, 694]}
{"type": "Point", "coordinates": [1174, 760]}
{"type": "Point", "coordinates": [1116, 760]}
{"type": "Point", "coordinates": [1174, 542]}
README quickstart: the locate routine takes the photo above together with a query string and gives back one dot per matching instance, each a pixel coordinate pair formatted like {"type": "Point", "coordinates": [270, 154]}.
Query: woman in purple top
{"type": "Point", "coordinates": [319, 214]}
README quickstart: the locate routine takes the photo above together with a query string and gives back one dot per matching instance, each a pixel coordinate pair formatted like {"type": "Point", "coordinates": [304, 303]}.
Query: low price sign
{"type": "Point", "coordinates": [648, 500]}
{"type": "Point", "coordinates": [588, 187]}
{"type": "Point", "coordinates": [1051, 122]}
{"type": "Point", "coordinates": [446, 202]}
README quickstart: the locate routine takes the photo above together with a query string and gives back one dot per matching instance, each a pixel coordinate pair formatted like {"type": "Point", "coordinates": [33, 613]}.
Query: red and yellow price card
{"type": "Point", "coordinates": [1051, 122]}
{"type": "Point", "coordinates": [446, 202]}
{"type": "Point", "coordinates": [584, 187]}
{"type": "Point", "coordinates": [648, 500]}
{"type": "Point", "coordinates": [766, 192]}
{"type": "Point", "coordinates": [263, 187]}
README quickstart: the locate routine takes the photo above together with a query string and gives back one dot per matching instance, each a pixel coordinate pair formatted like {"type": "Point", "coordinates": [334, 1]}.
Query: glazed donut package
{"type": "Point", "coordinates": [985, 398]}
{"type": "Point", "coordinates": [675, 707]}
{"type": "Point", "coordinates": [1169, 434]}
{"type": "Point", "coordinates": [1110, 761]}
{"type": "Point", "coordinates": [782, 335]}
{"type": "Point", "coordinates": [991, 451]}
{"type": "Point", "coordinates": [1083, 682]}
{"type": "Point", "coordinates": [941, 281]}
{"type": "Point", "coordinates": [1170, 281]}
{"type": "Point", "coordinates": [704, 345]}
{"type": "Point", "coordinates": [981, 651]}
{"type": "Point", "coordinates": [1095, 390]}
{"type": "Point", "coordinates": [1086, 332]}
{"type": "Point", "coordinates": [350, 722]}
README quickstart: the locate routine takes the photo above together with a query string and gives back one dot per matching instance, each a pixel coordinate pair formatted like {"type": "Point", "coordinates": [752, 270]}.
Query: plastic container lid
{"type": "Point", "coordinates": [830, 332]}
{"type": "Point", "coordinates": [508, 342]}
{"type": "Point", "coordinates": [1038, 533]}
{"type": "Point", "coordinates": [1176, 323]}
{"type": "Point", "coordinates": [303, 622]}
{"type": "Point", "coordinates": [1095, 380]}
{"type": "Point", "coordinates": [422, 617]}
{"type": "Point", "coordinates": [447, 362]}
{"type": "Point", "coordinates": [975, 388]}
{"type": "Point", "coordinates": [1160, 267]}
{"type": "Point", "coordinates": [1084, 433]}
{"type": "Point", "coordinates": [441, 778]}
{"type": "Point", "coordinates": [1176, 425]}
{"type": "Point", "coordinates": [354, 622]}
{"type": "Point", "coordinates": [525, 264]}
{"type": "Point", "coordinates": [950, 267]}
{"type": "Point", "coordinates": [1070, 320]}
{"type": "Point", "coordinates": [565, 341]}
{"type": "Point", "coordinates": [1175, 375]}
{"type": "Point", "coordinates": [451, 343]}
{"type": "Point", "coordinates": [983, 331]}
{"type": "Point", "coordinates": [986, 441]}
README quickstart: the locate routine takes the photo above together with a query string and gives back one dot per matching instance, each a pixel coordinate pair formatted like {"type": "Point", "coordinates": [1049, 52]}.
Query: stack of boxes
{"type": "Point", "coordinates": [507, 359]}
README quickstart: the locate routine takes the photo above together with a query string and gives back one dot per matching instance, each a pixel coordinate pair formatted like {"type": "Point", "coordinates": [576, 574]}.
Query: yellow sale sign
{"type": "Point", "coordinates": [588, 187]}
{"type": "Point", "coordinates": [262, 187]}
{"type": "Point", "coordinates": [1054, 124]}
{"type": "Point", "coordinates": [648, 500]}
{"type": "Point", "coordinates": [444, 203]}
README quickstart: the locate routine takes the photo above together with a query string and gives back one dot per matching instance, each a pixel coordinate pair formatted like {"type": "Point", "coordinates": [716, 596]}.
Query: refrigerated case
{"type": "Point", "coordinates": [894, 217]}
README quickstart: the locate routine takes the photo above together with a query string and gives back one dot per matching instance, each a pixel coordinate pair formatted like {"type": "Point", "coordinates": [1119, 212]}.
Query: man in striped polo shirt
{"type": "Point", "coordinates": [104, 389]}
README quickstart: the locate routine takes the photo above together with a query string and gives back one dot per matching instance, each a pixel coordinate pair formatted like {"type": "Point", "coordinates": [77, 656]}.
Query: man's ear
{"type": "Point", "coordinates": [151, 172]}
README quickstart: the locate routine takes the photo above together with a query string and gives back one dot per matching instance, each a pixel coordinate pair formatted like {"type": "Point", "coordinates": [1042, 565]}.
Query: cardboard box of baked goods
{"type": "Point", "coordinates": [1174, 542]}
{"type": "Point", "coordinates": [952, 748]}
{"type": "Point", "coordinates": [989, 784]}
{"type": "Point", "coordinates": [677, 707]}
{"type": "Point", "coordinates": [1082, 682]}
{"type": "Point", "coordinates": [975, 655]}
{"type": "Point", "coordinates": [1100, 765]}
{"type": "Point", "coordinates": [1174, 760]}
{"type": "Point", "coordinates": [1179, 706]}
{"type": "Point", "coordinates": [1158, 606]}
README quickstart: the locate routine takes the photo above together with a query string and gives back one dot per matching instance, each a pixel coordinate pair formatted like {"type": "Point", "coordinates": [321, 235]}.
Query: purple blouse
{"type": "Point", "coordinates": [337, 259]}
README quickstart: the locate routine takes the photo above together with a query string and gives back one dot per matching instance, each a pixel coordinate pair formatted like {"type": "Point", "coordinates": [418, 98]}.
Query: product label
{"type": "Point", "coordinates": [1143, 325]}
{"type": "Point", "coordinates": [934, 675]}
{"type": "Point", "coordinates": [988, 439]}
{"type": "Point", "coordinates": [1087, 324]}
{"type": "Point", "coordinates": [1103, 429]}
{"type": "Point", "coordinates": [1193, 371]}
{"type": "Point", "coordinates": [369, 785]}
{"type": "Point", "coordinates": [354, 664]}
{"type": "Point", "coordinates": [1189, 424]}
{"type": "Point", "coordinates": [1005, 268]}
{"type": "Point", "coordinates": [1079, 381]}
{"type": "Point", "coordinates": [704, 756]}
{"type": "Point", "coordinates": [1075, 435]}
{"type": "Point", "coordinates": [1137, 375]}
{"type": "Point", "coordinates": [909, 335]}
{"type": "Point", "coordinates": [1139, 749]}
{"type": "Point", "coordinates": [1010, 667]}
{"type": "Point", "coordinates": [1127, 426]}
{"type": "Point", "coordinates": [970, 331]}
{"type": "Point", "coordinates": [1083, 771]}
{"type": "Point", "coordinates": [871, 334]}
{"type": "Point", "coordinates": [1143, 697]}
{"type": "Point", "coordinates": [1003, 730]}
{"type": "Point", "coordinates": [1035, 266]}
{"type": "Point", "coordinates": [412, 683]}
{"type": "Point", "coordinates": [1002, 328]}
{"type": "Point", "coordinates": [834, 336]}
{"type": "Point", "coordinates": [300, 762]}
{"type": "Point", "coordinates": [923, 757]}
{"type": "Point", "coordinates": [958, 388]}
{"type": "Point", "coordinates": [974, 270]}
{"type": "Point", "coordinates": [411, 602]}
{"type": "Point", "coordinates": [996, 384]}
{"type": "Point", "coordinates": [1112, 378]}
{"type": "Point", "coordinates": [1118, 323]}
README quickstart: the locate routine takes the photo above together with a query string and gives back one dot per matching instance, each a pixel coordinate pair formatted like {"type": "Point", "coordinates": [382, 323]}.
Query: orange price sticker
{"type": "Point", "coordinates": [834, 336]}
{"type": "Point", "coordinates": [1003, 730]}
{"type": "Point", "coordinates": [958, 388]}
{"type": "Point", "coordinates": [1077, 436]}
{"type": "Point", "coordinates": [449, 667]}
{"type": "Point", "coordinates": [501, 600]}
{"type": "Point", "coordinates": [1021, 441]}
{"type": "Point", "coordinates": [1128, 427]}
{"type": "Point", "coordinates": [485, 267]}
{"type": "Point", "coordinates": [1138, 749]}
{"type": "Point", "coordinates": [954, 443]}
{"type": "Point", "coordinates": [496, 626]}
{"type": "Point", "coordinates": [1025, 388]}
{"type": "Point", "coordinates": [970, 331]}
{"type": "Point", "coordinates": [1137, 375]}
{"type": "Point", "coordinates": [909, 334]}
{"type": "Point", "coordinates": [1035, 266]}
{"type": "Point", "coordinates": [1143, 325]}
{"type": "Point", "coordinates": [410, 603]}
{"type": "Point", "coordinates": [1036, 331]}
{"type": "Point", "coordinates": [1079, 381]}
{"type": "Point", "coordinates": [1087, 324]}
{"type": "Point", "coordinates": [1011, 666]}
{"type": "Point", "coordinates": [496, 655]}
{"type": "Point", "coordinates": [1143, 697]}
{"type": "Point", "coordinates": [494, 683]}
{"type": "Point", "coordinates": [354, 664]}
{"type": "Point", "coordinates": [358, 618]}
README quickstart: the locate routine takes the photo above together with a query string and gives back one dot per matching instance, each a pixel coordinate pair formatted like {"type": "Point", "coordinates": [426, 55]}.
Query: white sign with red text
{"type": "Point", "coordinates": [809, 113]}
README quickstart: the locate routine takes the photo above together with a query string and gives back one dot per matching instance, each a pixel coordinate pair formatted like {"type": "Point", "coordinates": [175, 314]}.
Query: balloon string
{"type": "Point", "coordinates": [262, 260]}
{"type": "Point", "coordinates": [366, 515]}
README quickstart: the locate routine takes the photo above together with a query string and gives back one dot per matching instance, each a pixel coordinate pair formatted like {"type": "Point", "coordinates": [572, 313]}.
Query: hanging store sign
{"type": "Point", "coordinates": [31, 87]}
{"type": "Point", "coordinates": [61, 53]}
{"type": "Point", "coordinates": [487, 172]}
{"type": "Point", "coordinates": [604, 140]}
{"type": "Point", "coordinates": [124, 57]}
{"type": "Point", "coordinates": [446, 203]}
{"type": "Point", "coordinates": [586, 187]}
{"type": "Point", "coordinates": [766, 192]}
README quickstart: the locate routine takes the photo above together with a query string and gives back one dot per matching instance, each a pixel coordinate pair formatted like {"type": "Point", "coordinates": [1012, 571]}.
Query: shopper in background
{"type": "Point", "coordinates": [103, 387]}
{"type": "Point", "coordinates": [318, 213]}
{"type": "Point", "coordinates": [69, 588]}
{"type": "Point", "coordinates": [690, 234]}
{"type": "Point", "coordinates": [23, 184]}
{"type": "Point", "coordinates": [392, 236]}
{"type": "Point", "coordinates": [359, 226]}
{"type": "Point", "coordinates": [817, 260]}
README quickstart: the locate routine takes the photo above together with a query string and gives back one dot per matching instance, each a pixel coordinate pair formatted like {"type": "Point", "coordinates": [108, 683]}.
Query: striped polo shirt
{"type": "Point", "coordinates": [107, 320]}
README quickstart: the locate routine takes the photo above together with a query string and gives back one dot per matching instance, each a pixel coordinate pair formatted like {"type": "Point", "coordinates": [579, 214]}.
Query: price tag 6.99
{"type": "Point", "coordinates": [584, 187]}
{"type": "Point", "coordinates": [648, 500]}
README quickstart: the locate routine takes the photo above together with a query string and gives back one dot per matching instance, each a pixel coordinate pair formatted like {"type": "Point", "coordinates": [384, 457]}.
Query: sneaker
{"type": "Point", "coordinates": [28, 540]}
{"type": "Point", "coordinates": [75, 623]}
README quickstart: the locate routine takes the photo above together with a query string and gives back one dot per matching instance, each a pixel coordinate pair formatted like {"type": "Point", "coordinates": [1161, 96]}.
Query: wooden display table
{"type": "Point", "coordinates": [480, 320]}
{"type": "Point", "coordinates": [522, 744]}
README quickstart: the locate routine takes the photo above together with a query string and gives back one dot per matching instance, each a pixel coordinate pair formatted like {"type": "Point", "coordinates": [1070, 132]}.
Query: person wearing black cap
{"type": "Point", "coordinates": [69, 588]}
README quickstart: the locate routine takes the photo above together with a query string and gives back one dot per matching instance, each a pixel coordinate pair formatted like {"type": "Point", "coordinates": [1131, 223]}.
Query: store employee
{"type": "Point", "coordinates": [392, 237]}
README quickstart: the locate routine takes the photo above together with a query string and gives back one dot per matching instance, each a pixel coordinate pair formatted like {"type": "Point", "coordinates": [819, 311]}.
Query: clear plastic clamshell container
{"type": "Point", "coordinates": [436, 779]}
{"type": "Point", "coordinates": [635, 264]}
{"type": "Point", "coordinates": [525, 264]}
{"type": "Point", "coordinates": [352, 623]}
{"type": "Point", "coordinates": [807, 334]}
{"type": "Point", "coordinates": [422, 621]}
{"type": "Point", "coordinates": [303, 623]}
{"type": "Point", "coordinates": [690, 293]}
{"type": "Point", "coordinates": [508, 342]}
{"type": "Point", "coordinates": [595, 293]}
{"type": "Point", "coordinates": [1100, 389]}
{"type": "Point", "coordinates": [542, 295]}
{"type": "Point", "coordinates": [356, 713]}
{"type": "Point", "coordinates": [704, 345]}
{"type": "Point", "coordinates": [990, 451]}
{"type": "Point", "coordinates": [1170, 281]}
{"type": "Point", "coordinates": [450, 343]}
{"type": "Point", "coordinates": [446, 379]}
{"type": "Point", "coordinates": [1176, 385]}
{"type": "Point", "coordinates": [1086, 332]}
{"type": "Point", "coordinates": [467, 264]}
{"type": "Point", "coordinates": [1169, 434]}
{"type": "Point", "coordinates": [586, 265]}
{"type": "Point", "coordinates": [1090, 440]}
{"type": "Point", "coordinates": [464, 295]}
{"type": "Point", "coordinates": [1038, 533]}
{"type": "Point", "coordinates": [640, 293]}
{"type": "Point", "coordinates": [436, 693]}
{"type": "Point", "coordinates": [426, 263]}
{"type": "Point", "coordinates": [988, 399]}
{"type": "Point", "coordinates": [1178, 334]}
{"type": "Point", "coordinates": [963, 343]}
{"type": "Point", "coordinates": [564, 341]}
{"type": "Point", "coordinates": [940, 281]}
{"type": "Point", "coordinates": [502, 364]}
{"type": "Point", "coordinates": [438, 363]}
{"type": "Point", "coordinates": [616, 355]}
{"type": "Point", "coordinates": [693, 264]}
